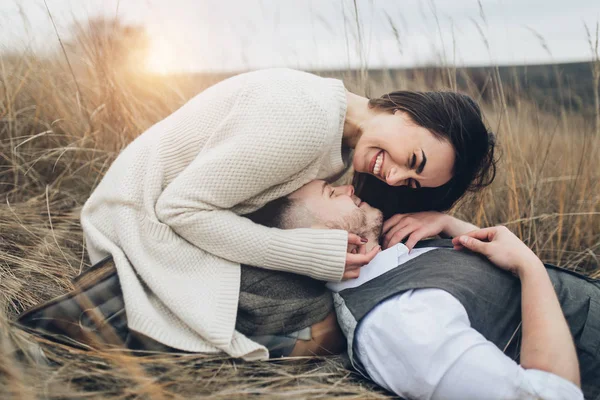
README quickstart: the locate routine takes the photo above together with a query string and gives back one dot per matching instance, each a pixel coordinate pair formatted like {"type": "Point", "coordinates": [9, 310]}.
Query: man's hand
{"type": "Point", "coordinates": [546, 343]}
{"type": "Point", "coordinates": [327, 339]}
{"type": "Point", "coordinates": [357, 256]}
{"type": "Point", "coordinates": [500, 246]}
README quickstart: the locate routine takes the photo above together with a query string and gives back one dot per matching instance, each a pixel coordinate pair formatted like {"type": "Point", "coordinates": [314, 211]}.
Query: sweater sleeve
{"type": "Point", "coordinates": [252, 155]}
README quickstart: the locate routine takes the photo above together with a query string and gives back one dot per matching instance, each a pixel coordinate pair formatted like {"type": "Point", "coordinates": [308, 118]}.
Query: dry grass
{"type": "Point", "coordinates": [56, 140]}
{"type": "Point", "coordinates": [58, 137]}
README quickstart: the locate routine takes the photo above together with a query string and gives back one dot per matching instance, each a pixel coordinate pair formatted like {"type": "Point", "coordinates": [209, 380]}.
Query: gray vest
{"type": "Point", "coordinates": [491, 297]}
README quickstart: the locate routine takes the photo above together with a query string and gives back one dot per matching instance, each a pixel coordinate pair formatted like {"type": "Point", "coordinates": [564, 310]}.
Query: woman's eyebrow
{"type": "Point", "coordinates": [423, 162]}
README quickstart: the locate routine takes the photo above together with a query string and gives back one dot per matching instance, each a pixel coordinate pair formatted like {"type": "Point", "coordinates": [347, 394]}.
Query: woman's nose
{"type": "Point", "coordinates": [396, 176]}
{"type": "Point", "coordinates": [347, 190]}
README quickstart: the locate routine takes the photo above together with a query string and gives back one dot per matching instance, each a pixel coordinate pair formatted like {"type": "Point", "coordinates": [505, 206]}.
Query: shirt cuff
{"type": "Point", "coordinates": [549, 386]}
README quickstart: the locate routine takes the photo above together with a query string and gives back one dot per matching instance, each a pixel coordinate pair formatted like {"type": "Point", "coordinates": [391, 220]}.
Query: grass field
{"type": "Point", "coordinates": [62, 124]}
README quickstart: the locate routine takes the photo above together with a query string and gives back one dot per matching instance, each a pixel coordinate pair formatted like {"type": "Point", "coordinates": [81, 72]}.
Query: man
{"type": "Point", "coordinates": [440, 323]}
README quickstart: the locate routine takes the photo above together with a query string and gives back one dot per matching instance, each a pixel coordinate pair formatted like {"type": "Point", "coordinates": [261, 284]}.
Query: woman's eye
{"type": "Point", "coordinates": [413, 161]}
{"type": "Point", "coordinates": [411, 183]}
{"type": "Point", "coordinates": [331, 193]}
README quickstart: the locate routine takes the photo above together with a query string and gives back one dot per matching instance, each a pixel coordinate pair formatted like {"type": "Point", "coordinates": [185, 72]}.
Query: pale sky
{"type": "Point", "coordinates": [197, 35]}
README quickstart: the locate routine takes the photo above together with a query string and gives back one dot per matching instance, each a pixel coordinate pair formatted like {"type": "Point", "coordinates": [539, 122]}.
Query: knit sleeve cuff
{"type": "Point", "coordinates": [318, 253]}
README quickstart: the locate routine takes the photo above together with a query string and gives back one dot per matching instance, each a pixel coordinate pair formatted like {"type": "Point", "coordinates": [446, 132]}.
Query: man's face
{"type": "Point", "coordinates": [338, 208]}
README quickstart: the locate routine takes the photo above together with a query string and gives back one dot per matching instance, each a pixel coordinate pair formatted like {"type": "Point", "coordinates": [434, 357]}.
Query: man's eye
{"type": "Point", "coordinates": [331, 193]}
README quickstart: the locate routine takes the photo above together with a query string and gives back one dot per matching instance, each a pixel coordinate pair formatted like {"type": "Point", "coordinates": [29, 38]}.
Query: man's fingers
{"type": "Point", "coordinates": [486, 234]}
{"type": "Point", "coordinates": [457, 245]}
{"type": "Point", "coordinates": [473, 244]}
{"type": "Point", "coordinates": [456, 242]}
{"type": "Point", "coordinates": [483, 234]}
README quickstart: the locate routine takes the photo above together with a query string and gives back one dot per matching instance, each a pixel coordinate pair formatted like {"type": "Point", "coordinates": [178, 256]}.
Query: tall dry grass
{"type": "Point", "coordinates": [61, 127]}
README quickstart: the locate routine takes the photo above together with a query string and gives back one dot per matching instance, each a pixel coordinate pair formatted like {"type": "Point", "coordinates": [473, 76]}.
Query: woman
{"type": "Point", "coordinates": [169, 208]}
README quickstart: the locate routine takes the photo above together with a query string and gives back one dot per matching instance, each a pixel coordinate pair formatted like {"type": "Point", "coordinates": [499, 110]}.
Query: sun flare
{"type": "Point", "coordinates": [161, 57]}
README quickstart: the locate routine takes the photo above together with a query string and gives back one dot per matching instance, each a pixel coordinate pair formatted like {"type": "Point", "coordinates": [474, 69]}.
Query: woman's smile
{"type": "Point", "coordinates": [376, 165]}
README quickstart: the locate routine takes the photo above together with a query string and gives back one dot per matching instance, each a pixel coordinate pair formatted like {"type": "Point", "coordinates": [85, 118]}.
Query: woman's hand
{"type": "Point", "coordinates": [500, 246]}
{"type": "Point", "coordinates": [421, 225]}
{"type": "Point", "coordinates": [357, 256]}
{"type": "Point", "coordinates": [414, 226]}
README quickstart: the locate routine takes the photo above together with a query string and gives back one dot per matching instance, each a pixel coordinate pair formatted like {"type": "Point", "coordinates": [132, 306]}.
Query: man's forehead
{"type": "Point", "coordinates": [312, 188]}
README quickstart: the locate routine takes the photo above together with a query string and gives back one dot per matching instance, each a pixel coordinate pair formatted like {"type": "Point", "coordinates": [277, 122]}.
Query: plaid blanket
{"type": "Point", "coordinates": [93, 316]}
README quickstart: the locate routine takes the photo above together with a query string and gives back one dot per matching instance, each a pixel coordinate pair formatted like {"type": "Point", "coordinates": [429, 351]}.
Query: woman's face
{"type": "Point", "coordinates": [401, 153]}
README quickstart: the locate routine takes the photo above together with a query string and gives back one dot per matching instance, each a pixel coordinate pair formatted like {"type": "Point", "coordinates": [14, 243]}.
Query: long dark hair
{"type": "Point", "coordinates": [450, 116]}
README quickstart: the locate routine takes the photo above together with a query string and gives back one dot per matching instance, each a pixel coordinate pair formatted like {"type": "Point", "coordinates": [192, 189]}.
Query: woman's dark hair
{"type": "Point", "coordinates": [450, 116]}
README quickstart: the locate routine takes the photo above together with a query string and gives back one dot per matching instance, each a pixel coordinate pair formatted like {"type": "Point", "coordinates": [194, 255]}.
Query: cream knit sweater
{"type": "Point", "coordinates": [168, 209]}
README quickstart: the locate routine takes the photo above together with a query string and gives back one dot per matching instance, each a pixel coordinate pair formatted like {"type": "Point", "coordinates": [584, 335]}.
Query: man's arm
{"type": "Point", "coordinates": [547, 343]}
{"type": "Point", "coordinates": [421, 345]}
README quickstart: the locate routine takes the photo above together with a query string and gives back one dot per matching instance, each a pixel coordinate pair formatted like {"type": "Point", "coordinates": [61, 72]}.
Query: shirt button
{"type": "Point", "coordinates": [401, 248]}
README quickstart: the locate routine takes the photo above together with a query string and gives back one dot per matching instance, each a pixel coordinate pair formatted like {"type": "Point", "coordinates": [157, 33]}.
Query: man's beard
{"type": "Point", "coordinates": [373, 226]}
{"type": "Point", "coordinates": [360, 223]}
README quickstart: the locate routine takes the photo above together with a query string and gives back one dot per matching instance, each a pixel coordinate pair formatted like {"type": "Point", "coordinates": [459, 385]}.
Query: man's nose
{"type": "Point", "coordinates": [347, 190]}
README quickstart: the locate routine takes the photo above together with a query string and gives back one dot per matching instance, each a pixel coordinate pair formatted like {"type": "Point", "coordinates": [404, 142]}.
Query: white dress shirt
{"type": "Point", "coordinates": [420, 345]}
